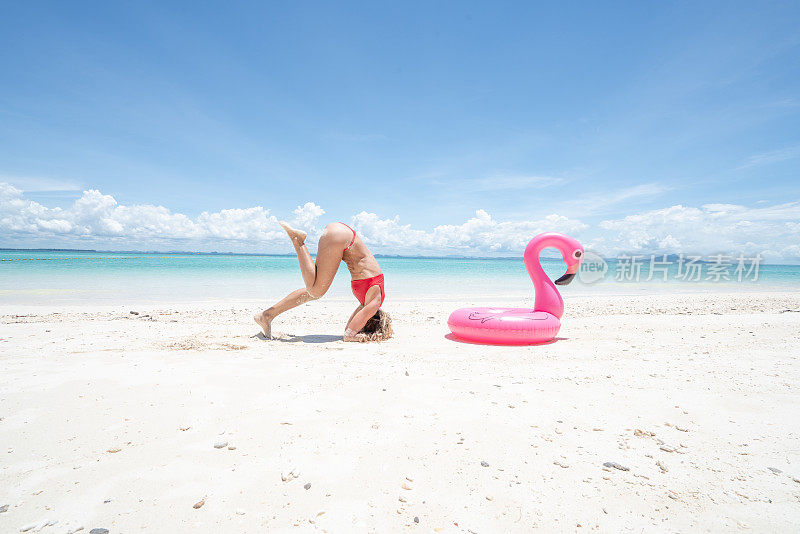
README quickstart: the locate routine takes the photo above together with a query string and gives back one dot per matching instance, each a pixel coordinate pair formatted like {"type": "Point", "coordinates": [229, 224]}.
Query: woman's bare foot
{"type": "Point", "coordinates": [264, 320]}
{"type": "Point", "coordinates": [297, 236]}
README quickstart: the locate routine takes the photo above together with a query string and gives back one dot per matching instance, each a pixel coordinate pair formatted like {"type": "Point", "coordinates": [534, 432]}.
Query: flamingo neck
{"type": "Point", "coordinates": [548, 299]}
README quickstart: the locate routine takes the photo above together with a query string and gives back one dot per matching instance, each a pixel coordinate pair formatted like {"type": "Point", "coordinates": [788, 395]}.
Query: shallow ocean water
{"type": "Point", "coordinates": [69, 277]}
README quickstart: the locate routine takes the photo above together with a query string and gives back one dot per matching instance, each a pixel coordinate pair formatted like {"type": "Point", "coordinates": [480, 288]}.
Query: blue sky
{"type": "Point", "coordinates": [418, 115]}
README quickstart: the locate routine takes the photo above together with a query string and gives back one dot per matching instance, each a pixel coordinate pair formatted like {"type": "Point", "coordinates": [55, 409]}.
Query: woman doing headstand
{"type": "Point", "coordinates": [338, 243]}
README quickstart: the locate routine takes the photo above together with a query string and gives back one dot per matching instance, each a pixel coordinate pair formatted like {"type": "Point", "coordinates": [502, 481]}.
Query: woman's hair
{"type": "Point", "coordinates": [378, 327]}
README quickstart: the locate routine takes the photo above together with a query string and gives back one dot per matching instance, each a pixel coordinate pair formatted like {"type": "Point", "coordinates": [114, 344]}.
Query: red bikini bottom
{"type": "Point", "coordinates": [360, 287]}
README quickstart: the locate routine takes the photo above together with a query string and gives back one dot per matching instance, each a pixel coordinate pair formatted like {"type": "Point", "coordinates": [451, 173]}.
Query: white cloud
{"type": "Point", "coordinates": [504, 182]}
{"type": "Point", "coordinates": [598, 203]}
{"type": "Point", "coordinates": [99, 220]}
{"type": "Point", "coordinates": [31, 184]}
{"type": "Point", "coordinates": [249, 224]}
{"type": "Point", "coordinates": [307, 215]}
{"type": "Point", "coordinates": [479, 234]}
{"type": "Point", "coordinates": [97, 216]}
{"type": "Point", "coordinates": [773, 156]}
{"type": "Point", "coordinates": [709, 229]}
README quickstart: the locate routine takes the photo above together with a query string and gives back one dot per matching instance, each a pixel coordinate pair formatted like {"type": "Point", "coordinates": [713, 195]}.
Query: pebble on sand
{"type": "Point", "coordinates": [484, 463]}
{"type": "Point", "coordinates": [307, 486]}
{"type": "Point", "coordinates": [3, 508]}
{"type": "Point", "coordinates": [293, 473]}
{"type": "Point", "coordinates": [221, 444]}
{"type": "Point", "coordinates": [199, 504]}
{"type": "Point", "coordinates": [38, 526]}
{"type": "Point", "coordinates": [416, 519]}
{"type": "Point", "coordinates": [99, 531]}
{"type": "Point", "coordinates": [615, 465]}
{"type": "Point", "coordinates": [775, 470]}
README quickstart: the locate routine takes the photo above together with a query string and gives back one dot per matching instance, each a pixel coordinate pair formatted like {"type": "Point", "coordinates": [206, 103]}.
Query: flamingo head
{"type": "Point", "coordinates": [572, 253]}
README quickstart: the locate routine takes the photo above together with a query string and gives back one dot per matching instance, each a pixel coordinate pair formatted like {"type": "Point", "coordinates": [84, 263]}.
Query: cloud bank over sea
{"type": "Point", "coordinates": [97, 220]}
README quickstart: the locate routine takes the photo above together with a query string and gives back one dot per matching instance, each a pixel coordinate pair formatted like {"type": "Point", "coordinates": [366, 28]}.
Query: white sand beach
{"type": "Point", "coordinates": [654, 413]}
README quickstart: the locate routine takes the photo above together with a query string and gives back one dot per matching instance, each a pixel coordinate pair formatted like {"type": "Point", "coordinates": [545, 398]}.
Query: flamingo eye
{"type": "Point", "coordinates": [577, 254]}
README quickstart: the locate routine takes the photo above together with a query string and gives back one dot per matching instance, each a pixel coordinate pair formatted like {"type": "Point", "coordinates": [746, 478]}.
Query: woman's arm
{"type": "Point", "coordinates": [362, 314]}
{"type": "Point", "coordinates": [358, 309]}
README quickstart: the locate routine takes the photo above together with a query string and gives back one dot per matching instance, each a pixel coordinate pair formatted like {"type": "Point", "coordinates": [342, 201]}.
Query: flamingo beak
{"type": "Point", "coordinates": [568, 276]}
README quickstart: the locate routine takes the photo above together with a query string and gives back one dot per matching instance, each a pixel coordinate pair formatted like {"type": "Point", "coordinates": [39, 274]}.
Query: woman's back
{"type": "Point", "coordinates": [360, 261]}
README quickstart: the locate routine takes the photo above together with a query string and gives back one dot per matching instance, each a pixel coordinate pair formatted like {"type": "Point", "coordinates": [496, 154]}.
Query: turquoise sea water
{"type": "Point", "coordinates": [69, 277]}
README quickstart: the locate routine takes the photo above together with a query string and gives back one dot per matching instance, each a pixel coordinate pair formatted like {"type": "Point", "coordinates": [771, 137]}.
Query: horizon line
{"type": "Point", "coordinates": [291, 255]}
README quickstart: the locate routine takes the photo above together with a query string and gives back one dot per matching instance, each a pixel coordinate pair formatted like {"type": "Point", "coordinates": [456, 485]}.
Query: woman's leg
{"type": "Point", "coordinates": [292, 300]}
{"type": "Point", "coordinates": [317, 277]}
{"type": "Point", "coordinates": [307, 266]}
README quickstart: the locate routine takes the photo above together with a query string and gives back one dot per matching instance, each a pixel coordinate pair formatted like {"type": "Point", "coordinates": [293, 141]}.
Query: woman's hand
{"type": "Point", "coordinates": [351, 335]}
{"type": "Point", "coordinates": [361, 315]}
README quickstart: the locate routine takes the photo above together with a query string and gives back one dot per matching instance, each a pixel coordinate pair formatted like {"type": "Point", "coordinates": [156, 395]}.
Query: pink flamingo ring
{"type": "Point", "coordinates": [523, 326]}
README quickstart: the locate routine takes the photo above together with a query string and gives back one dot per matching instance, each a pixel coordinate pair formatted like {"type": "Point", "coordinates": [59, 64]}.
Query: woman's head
{"type": "Point", "coordinates": [378, 327]}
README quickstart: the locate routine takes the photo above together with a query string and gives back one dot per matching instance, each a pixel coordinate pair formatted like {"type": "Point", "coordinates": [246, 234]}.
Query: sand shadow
{"type": "Point", "coordinates": [290, 338]}
{"type": "Point", "coordinates": [452, 337]}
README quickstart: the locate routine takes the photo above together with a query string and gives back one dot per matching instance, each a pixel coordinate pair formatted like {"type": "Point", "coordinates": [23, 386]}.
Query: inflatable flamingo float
{"type": "Point", "coordinates": [522, 326]}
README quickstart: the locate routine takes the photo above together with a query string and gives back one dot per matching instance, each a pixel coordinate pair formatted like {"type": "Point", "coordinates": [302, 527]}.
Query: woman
{"type": "Point", "coordinates": [338, 243]}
